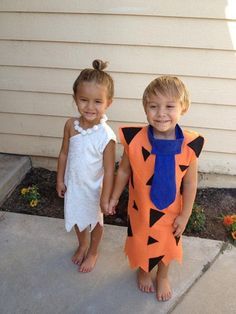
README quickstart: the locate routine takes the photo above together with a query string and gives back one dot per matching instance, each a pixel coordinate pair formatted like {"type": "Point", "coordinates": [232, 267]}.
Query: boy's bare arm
{"type": "Point", "coordinates": [108, 179]}
{"type": "Point", "coordinates": [189, 194]}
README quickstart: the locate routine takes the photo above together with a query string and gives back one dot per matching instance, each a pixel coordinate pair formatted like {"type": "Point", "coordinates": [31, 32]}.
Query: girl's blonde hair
{"type": "Point", "coordinates": [96, 75]}
{"type": "Point", "coordinates": [168, 86]}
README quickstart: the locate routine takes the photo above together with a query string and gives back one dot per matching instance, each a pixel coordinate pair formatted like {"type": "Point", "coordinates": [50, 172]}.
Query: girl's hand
{"type": "Point", "coordinates": [61, 189]}
{"type": "Point", "coordinates": [104, 206]}
{"type": "Point", "coordinates": [112, 206]}
{"type": "Point", "coordinates": [179, 225]}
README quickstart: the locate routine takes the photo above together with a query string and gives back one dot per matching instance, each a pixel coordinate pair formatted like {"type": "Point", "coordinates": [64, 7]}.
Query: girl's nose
{"type": "Point", "coordinates": [90, 104]}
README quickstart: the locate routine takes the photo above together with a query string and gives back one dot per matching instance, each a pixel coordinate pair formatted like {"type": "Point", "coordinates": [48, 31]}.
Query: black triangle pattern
{"type": "Point", "coordinates": [177, 240]}
{"type": "Point", "coordinates": [197, 145]}
{"type": "Point", "coordinates": [183, 167]}
{"type": "Point", "coordinates": [145, 153]}
{"type": "Point", "coordinates": [155, 215]}
{"type": "Point", "coordinates": [129, 133]}
{"type": "Point", "coordinates": [154, 261]}
{"type": "Point", "coordinates": [182, 187]}
{"type": "Point", "coordinates": [132, 178]}
{"type": "Point", "coordinates": [150, 180]}
{"type": "Point", "coordinates": [151, 240]}
{"type": "Point", "coordinates": [129, 229]}
{"type": "Point", "coordinates": [135, 206]}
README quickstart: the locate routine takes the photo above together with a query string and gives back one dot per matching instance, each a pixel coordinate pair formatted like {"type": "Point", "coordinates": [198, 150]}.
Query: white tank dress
{"type": "Point", "coordinates": [84, 176]}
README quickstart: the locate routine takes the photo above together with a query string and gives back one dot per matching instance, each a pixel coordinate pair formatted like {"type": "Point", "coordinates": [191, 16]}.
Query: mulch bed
{"type": "Point", "coordinates": [215, 202]}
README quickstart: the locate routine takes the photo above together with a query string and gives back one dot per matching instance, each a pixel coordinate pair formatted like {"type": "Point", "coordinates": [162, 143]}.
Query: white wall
{"type": "Point", "coordinates": [45, 44]}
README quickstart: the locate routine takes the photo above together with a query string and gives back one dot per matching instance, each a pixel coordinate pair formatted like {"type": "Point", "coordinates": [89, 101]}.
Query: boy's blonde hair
{"type": "Point", "coordinates": [168, 86]}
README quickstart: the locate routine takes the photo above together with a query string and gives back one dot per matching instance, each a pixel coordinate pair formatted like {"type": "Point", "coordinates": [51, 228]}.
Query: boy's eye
{"type": "Point", "coordinates": [98, 101]}
{"type": "Point", "coordinates": [83, 99]}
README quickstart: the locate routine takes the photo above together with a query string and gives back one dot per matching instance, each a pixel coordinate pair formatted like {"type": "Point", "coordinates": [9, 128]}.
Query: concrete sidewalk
{"type": "Point", "coordinates": [37, 276]}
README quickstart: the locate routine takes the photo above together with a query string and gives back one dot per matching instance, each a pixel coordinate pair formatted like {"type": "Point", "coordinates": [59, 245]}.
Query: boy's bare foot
{"type": "Point", "coordinates": [163, 289]}
{"type": "Point", "coordinates": [144, 280]}
{"type": "Point", "coordinates": [79, 255]}
{"type": "Point", "coordinates": [88, 263]}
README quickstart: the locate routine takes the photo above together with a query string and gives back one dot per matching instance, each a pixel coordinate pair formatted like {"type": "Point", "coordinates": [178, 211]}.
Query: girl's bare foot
{"type": "Point", "coordinates": [79, 255]}
{"type": "Point", "coordinates": [88, 263]}
{"type": "Point", "coordinates": [144, 280]}
{"type": "Point", "coordinates": [163, 289]}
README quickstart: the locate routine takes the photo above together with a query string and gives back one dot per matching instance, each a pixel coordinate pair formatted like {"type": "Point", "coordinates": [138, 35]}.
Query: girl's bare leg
{"type": "Point", "coordinates": [91, 257]}
{"type": "Point", "coordinates": [144, 280]}
{"type": "Point", "coordinates": [81, 251]}
{"type": "Point", "coordinates": [163, 285]}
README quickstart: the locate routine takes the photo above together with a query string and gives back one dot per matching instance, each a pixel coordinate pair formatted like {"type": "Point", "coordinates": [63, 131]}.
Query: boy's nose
{"type": "Point", "coordinates": [161, 112]}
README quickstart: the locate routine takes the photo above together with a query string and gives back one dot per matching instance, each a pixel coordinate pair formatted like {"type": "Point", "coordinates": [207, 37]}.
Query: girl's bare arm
{"type": "Point", "coordinates": [121, 180]}
{"type": "Point", "coordinates": [62, 159]}
{"type": "Point", "coordinates": [108, 179]}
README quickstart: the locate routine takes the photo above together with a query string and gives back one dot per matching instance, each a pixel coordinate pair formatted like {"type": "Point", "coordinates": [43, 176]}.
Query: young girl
{"type": "Point", "coordinates": [86, 163]}
{"type": "Point", "coordinates": [161, 162]}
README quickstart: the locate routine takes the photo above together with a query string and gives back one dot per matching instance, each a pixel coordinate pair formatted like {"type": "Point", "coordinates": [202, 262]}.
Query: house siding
{"type": "Point", "coordinates": [45, 44]}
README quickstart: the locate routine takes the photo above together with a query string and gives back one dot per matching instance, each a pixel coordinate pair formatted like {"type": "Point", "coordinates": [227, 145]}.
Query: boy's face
{"type": "Point", "coordinates": [163, 113]}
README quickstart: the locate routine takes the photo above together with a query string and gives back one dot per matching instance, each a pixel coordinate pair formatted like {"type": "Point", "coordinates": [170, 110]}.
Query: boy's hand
{"type": "Point", "coordinates": [61, 189]}
{"type": "Point", "coordinates": [112, 206]}
{"type": "Point", "coordinates": [179, 225]}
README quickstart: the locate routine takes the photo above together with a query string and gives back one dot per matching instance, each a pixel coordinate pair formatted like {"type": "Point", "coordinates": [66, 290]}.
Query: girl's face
{"type": "Point", "coordinates": [91, 100]}
{"type": "Point", "coordinates": [163, 113]}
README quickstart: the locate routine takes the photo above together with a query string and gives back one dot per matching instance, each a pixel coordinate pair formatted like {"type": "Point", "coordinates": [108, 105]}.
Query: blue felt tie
{"type": "Point", "coordinates": [163, 189]}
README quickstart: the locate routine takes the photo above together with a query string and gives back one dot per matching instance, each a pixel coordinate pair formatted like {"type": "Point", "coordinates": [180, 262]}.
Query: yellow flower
{"type": "Point", "coordinates": [233, 235]}
{"type": "Point", "coordinates": [33, 203]}
{"type": "Point", "coordinates": [234, 218]}
{"type": "Point", "coordinates": [24, 191]}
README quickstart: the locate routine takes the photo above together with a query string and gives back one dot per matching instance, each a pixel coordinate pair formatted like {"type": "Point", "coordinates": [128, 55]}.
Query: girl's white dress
{"type": "Point", "coordinates": [84, 176]}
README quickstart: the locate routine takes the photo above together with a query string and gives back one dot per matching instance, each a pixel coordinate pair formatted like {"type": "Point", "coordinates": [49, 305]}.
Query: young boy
{"type": "Point", "coordinates": [160, 162]}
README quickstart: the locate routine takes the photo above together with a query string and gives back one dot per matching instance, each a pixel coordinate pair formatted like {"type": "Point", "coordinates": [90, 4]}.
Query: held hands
{"type": "Point", "coordinates": [112, 206]}
{"type": "Point", "coordinates": [61, 189]}
{"type": "Point", "coordinates": [179, 225]}
{"type": "Point", "coordinates": [109, 208]}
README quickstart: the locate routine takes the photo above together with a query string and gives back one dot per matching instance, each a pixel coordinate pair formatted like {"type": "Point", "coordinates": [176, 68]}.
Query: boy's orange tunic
{"type": "Point", "coordinates": [150, 232]}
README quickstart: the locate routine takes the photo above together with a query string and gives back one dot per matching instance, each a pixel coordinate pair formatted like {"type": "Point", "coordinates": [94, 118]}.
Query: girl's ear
{"type": "Point", "coordinates": [109, 102]}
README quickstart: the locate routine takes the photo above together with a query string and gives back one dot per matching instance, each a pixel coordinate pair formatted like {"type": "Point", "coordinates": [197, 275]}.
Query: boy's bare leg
{"type": "Point", "coordinates": [81, 251]}
{"type": "Point", "coordinates": [91, 257]}
{"type": "Point", "coordinates": [144, 280]}
{"type": "Point", "coordinates": [163, 286]}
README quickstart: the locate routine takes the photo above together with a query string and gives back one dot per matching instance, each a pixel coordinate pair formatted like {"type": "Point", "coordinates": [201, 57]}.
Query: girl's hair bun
{"type": "Point", "coordinates": [99, 65]}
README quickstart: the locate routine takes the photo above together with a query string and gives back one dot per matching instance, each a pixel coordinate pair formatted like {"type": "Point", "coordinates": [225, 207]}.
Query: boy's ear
{"type": "Point", "coordinates": [145, 109]}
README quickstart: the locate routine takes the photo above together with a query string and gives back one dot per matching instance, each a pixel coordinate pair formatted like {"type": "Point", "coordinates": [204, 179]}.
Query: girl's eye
{"type": "Point", "coordinates": [98, 101]}
{"type": "Point", "coordinates": [83, 99]}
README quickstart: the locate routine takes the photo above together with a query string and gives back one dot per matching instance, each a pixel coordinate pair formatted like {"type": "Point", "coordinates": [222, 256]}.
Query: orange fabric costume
{"type": "Point", "coordinates": [150, 233]}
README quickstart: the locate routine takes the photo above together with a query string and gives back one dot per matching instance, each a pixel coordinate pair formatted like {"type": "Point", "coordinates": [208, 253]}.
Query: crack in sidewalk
{"type": "Point", "coordinates": [224, 246]}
